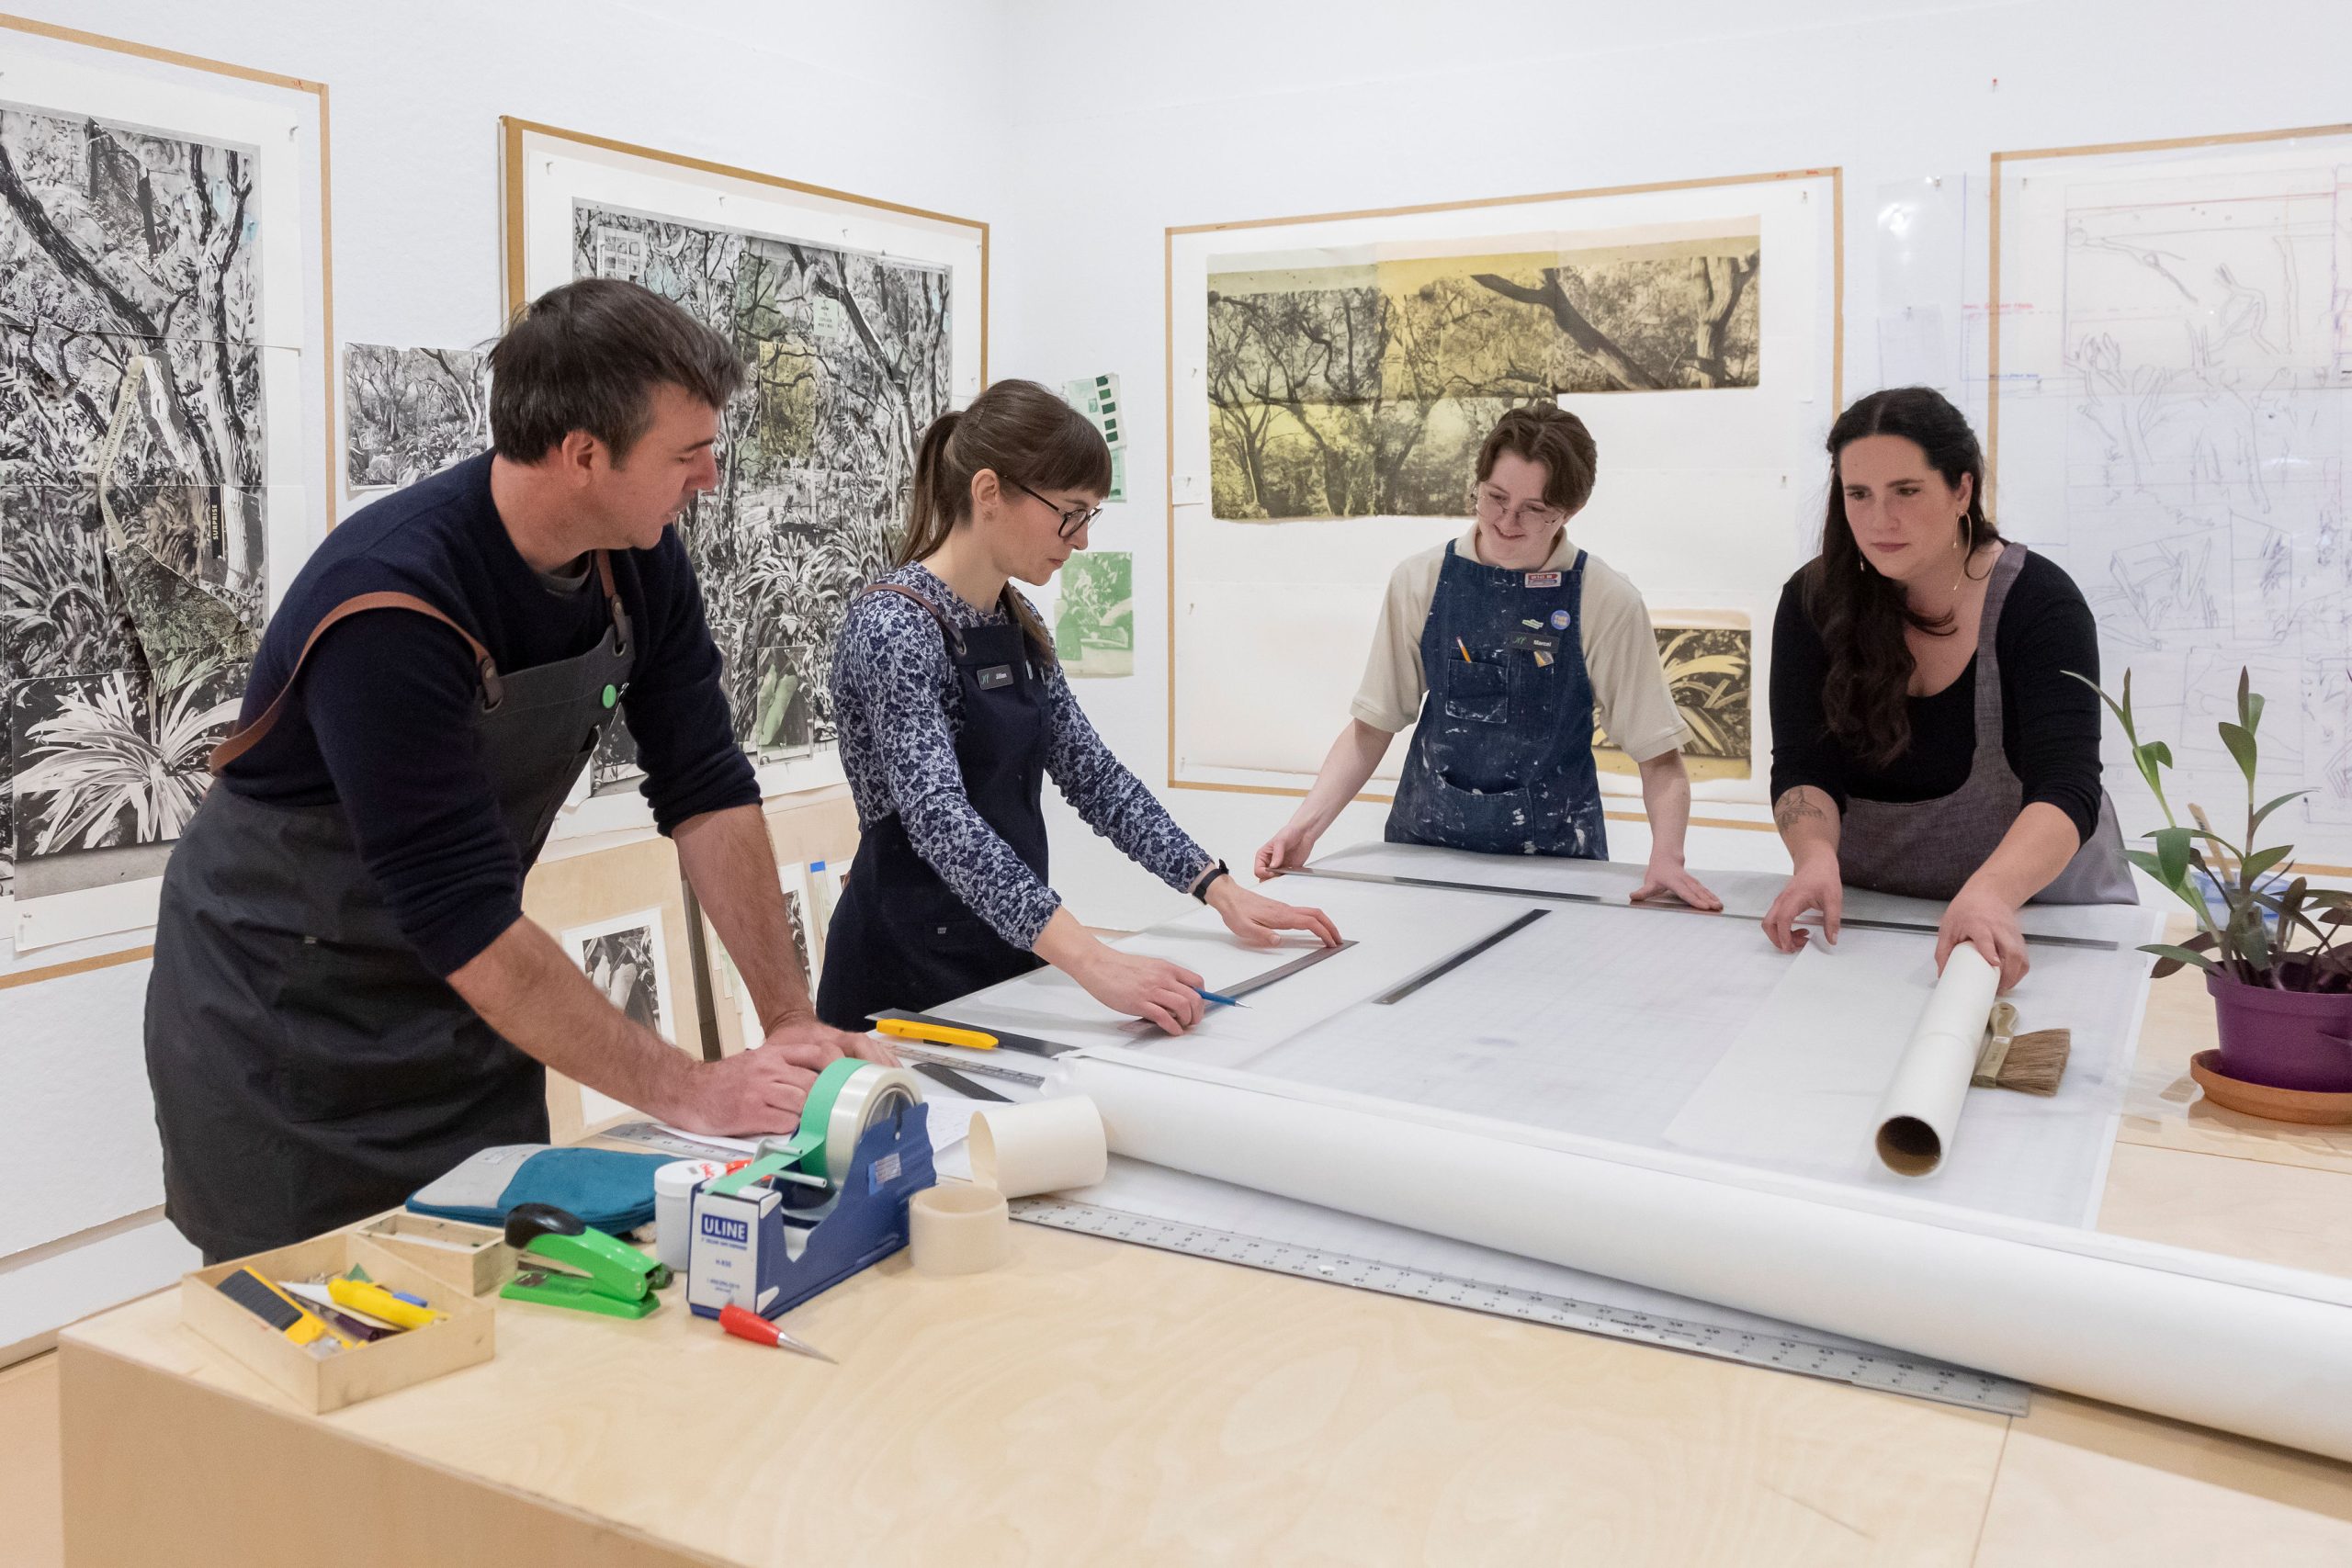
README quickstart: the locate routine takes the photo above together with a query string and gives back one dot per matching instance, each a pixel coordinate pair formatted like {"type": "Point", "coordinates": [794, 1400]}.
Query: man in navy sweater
{"type": "Point", "coordinates": [347, 1000]}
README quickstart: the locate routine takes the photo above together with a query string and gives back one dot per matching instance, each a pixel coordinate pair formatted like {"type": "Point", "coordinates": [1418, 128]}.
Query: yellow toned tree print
{"type": "Point", "coordinates": [1364, 389]}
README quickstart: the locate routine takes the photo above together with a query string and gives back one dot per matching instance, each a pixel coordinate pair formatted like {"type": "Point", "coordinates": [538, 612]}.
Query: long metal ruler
{"type": "Point", "coordinates": [2095, 944]}
{"type": "Point", "coordinates": [1888, 1371]}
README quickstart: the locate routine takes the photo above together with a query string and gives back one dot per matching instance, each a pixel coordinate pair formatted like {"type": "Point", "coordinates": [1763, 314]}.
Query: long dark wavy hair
{"type": "Point", "coordinates": [1862, 614]}
{"type": "Point", "coordinates": [1026, 435]}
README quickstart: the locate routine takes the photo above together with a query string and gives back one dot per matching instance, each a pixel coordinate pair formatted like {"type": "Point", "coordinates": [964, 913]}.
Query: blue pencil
{"type": "Point", "coordinates": [1213, 997]}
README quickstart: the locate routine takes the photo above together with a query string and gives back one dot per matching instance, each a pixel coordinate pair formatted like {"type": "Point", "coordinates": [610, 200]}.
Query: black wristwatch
{"type": "Point", "coordinates": [1201, 889]}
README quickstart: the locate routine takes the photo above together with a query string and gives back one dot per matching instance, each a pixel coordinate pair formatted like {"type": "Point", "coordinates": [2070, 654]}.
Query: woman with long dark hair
{"type": "Point", "coordinates": [1930, 737]}
{"type": "Point", "coordinates": [952, 711]}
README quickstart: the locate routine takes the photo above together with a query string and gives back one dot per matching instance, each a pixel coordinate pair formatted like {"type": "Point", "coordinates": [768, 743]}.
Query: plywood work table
{"type": "Point", "coordinates": [1096, 1402]}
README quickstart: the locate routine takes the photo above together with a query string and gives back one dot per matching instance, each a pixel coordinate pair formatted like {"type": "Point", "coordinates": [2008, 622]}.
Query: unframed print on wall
{"type": "Point", "coordinates": [2170, 419]}
{"type": "Point", "coordinates": [410, 412]}
{"type": "Point", "coordinates": [1693, 327]}
{"type": "Point", "coordinates": [163, 331]}
{"type": "Point", "coordinates": [860, 321]}
{"type": "Point", "coordinates": [624, 958]}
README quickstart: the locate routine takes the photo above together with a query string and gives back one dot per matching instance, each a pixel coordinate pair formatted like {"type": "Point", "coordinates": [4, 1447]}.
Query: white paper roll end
{"type": "Point", "coordinates": [1045, 1146]}
{"type": "Point", "coordinates": [1920, 1111]}
{"type": "Point", "coordinates": [958, 1229]}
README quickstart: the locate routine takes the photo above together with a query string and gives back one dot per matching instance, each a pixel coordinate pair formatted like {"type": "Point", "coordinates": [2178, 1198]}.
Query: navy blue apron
{"type": "Point", "coordinates": [309, 1069]}
{"type": "Point", "coordinates": [900, 937]}
{"type": "Point", "coordinates": [1501, 761]}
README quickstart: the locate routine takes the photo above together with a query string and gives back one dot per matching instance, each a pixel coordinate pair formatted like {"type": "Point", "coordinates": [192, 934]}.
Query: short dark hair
{"type": "Point", "coordinates": [587, 355]}
{"type": "Point", "coordinates": [1549, 434]}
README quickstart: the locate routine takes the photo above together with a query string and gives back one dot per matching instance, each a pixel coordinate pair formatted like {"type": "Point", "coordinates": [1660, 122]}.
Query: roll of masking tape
{"type": "Point", "coordinates": [1044, 1146]}
{"type": "Point", "coordinates": [866, 1095]}
{"type": "Point", "coordinates": [957, 1228]}
{"type": "Point", "coordinates": [674, 1205]}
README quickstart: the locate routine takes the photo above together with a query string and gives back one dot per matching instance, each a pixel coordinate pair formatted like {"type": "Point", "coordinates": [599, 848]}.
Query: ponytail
{"type": "Point", "coordinates": [1024, 436]}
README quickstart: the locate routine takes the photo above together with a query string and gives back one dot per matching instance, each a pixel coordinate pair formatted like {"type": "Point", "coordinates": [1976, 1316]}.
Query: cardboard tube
{"type": "Point", "coordinates": [1042, 1146]}
{"type": "Point", "coordinates": [958, 1229]}
{"type": "Point", "coordinates": [1920, 1112]}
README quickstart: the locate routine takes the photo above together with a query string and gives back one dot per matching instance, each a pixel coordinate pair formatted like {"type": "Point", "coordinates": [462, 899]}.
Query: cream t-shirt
{"type": "Point", "coordinates": [1630, 698]}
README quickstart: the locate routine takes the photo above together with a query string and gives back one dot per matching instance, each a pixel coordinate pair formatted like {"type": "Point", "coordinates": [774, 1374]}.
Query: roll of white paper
{"type": "Point", "coordinates": [2262, 1352]}
{"type": "Point", "coordinates": [1044, 1146]}
{"type": "Point", "coordinates": [955, 1228]}
{"type": "Point", "coordinates": [1919, 1113]}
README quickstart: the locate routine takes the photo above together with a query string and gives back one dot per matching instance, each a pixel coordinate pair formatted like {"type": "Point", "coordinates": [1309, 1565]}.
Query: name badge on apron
{"type": "Point", "coordinates": [1542, 580]}
{"type": "Point", "coordinates": [995, 675]}
{"type": "Point", "coordinates": [1534, 642]}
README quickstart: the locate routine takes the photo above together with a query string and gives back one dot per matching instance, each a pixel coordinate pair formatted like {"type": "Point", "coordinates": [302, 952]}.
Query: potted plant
{"type": "Point", "coordinates": [2284, 1010]}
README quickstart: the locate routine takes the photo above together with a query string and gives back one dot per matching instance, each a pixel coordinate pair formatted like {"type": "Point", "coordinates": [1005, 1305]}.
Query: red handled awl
{"type": "Point", "coordinates": [746, 1324]}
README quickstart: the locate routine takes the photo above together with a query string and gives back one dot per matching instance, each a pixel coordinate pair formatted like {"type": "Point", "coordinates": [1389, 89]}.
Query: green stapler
{"type": "Point", "coordinates": [613, 1278]}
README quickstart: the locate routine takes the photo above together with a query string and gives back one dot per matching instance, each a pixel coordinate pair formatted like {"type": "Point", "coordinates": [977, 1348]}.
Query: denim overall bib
{"type": "Point", "coordinates": [1501, 761]}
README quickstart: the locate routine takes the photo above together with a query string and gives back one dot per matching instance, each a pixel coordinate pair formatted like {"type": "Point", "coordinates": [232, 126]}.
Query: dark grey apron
{"type": "Point", "coordinates": [1929, 849]}
{"type": "Point", "coordinates": [308, 1068]}
{"type": "Point", "coordinates": [901, 937]}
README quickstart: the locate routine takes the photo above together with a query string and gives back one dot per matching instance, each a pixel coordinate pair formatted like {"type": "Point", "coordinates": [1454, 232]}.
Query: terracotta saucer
{"type": "Point", "coordinates": [2309, 1106]}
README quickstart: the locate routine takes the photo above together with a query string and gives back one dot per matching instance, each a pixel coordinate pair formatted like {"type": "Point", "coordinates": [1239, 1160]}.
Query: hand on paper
{"type": "Point", "coordinates": [1259, 921]}
{"type": "Point", "coordinates": [1986, 921]}
{"type": "Point", "coordinates": [1814, 887]}
{"type": "Point", "coordinates": [1286, 851]}
{"type": "Point", "coordinates": [752, 1092]}
{"type": "Point", "coordinates": [1666, 878]}
{"type": "Point", "coordinates": [1163, 994]}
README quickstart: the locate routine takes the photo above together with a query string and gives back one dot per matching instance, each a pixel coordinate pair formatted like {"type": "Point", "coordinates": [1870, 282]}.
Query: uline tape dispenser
{"type": "Point", "coordinates": [841, 1182]}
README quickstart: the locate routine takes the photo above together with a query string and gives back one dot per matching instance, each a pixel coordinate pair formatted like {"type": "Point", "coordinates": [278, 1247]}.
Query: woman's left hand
{"type": "Point", "coordinates": [1259, 921]}
{"type": "Point", "coordinates": [1989, 923]}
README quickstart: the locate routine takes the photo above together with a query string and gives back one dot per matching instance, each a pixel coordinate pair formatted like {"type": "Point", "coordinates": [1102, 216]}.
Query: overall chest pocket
{"type": "Point", "coordinates": [1477, 692]}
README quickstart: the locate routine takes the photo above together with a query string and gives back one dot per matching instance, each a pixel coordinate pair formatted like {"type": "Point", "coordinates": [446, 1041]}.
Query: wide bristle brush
{"type": "Point", "coordinates": [2030, 1064]}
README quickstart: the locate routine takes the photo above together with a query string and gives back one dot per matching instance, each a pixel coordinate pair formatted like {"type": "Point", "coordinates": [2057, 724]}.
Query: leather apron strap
{"type": "Point", "coordinates": [243, 739]}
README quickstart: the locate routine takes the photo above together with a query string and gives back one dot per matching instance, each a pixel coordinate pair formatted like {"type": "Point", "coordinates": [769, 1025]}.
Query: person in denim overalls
{"type": "Point", "coordinates": [1519, 641]}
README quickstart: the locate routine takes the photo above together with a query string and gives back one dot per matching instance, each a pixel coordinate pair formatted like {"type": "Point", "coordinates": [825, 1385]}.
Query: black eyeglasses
{"type": "Point", "coordinates": [1077, 517]}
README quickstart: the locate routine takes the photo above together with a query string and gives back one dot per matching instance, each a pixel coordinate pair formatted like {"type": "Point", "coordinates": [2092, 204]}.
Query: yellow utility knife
{"type": "Point", "coordinates": [936, 1034]}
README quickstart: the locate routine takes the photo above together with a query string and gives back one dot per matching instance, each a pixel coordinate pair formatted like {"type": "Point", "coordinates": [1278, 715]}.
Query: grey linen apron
{"type": "Point", "coordinates": [1929, 849]}
{"type": "Point", "coordinates": [308, 1068]}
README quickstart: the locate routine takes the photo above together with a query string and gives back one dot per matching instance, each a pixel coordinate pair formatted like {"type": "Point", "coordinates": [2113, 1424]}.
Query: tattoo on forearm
{"type": "Point", "coordinates": [1792, 809]}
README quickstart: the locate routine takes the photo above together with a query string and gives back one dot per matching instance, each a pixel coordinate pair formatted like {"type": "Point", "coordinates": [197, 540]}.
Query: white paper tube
{"type": "Point", "coordinates": [2262, 1352]}
{"type": "Point", "coordinates": [1045, 1145]}
{"type": "Point", "coordinates": [1920, 1112]}
{"type": "Point", "coordinates": [958, 1229]}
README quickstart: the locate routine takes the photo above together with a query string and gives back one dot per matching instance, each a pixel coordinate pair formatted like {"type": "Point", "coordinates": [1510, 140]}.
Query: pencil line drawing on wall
{"type": "Point", "coordinates": [1363, 388]}
{"type": "Point", "coordinates": [410, 412]}
{"type": "Point", "coordinates": [2173, 405]}
{"type": "Point", "coordinates": [848, 356]}
{"type": "Point", "coordinates": [133, 515]}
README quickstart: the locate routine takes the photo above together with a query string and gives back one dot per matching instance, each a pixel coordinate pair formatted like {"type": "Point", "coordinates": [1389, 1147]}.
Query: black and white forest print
{"type": "Point", "coordinates": [410, 412]}
{"type": "Point", "coordinates": [132, 511]}
{"type": "Point", "coordinates": [848, 360]}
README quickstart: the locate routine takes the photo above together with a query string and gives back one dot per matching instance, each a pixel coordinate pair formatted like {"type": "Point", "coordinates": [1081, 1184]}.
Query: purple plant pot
{"type": "Point", "coordinates": [2299, 1040]}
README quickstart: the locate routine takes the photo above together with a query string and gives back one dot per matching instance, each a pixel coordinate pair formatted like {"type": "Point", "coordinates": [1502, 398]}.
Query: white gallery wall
{"type": "Point", "coordinates": [1080, 131]}
{"type": "Point", "coordinates": [1221, 112]}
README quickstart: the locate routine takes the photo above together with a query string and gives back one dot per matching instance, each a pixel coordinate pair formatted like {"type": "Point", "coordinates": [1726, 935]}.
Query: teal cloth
{"type": "Point", "coordinates": [608, 1189]}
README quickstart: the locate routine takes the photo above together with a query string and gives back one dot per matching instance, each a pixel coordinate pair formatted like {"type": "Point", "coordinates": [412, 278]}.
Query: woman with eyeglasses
{"type": "Point", "coordinates": [1508, 644]}
{"type": "Point", "coordinates": [952, 710]}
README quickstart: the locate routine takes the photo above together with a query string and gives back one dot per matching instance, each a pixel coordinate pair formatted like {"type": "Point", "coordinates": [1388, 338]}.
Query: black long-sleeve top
{"type": "Point", "coordinates": [2050, 721]}
{"type": "Point", "coordinates": [383, 717]}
